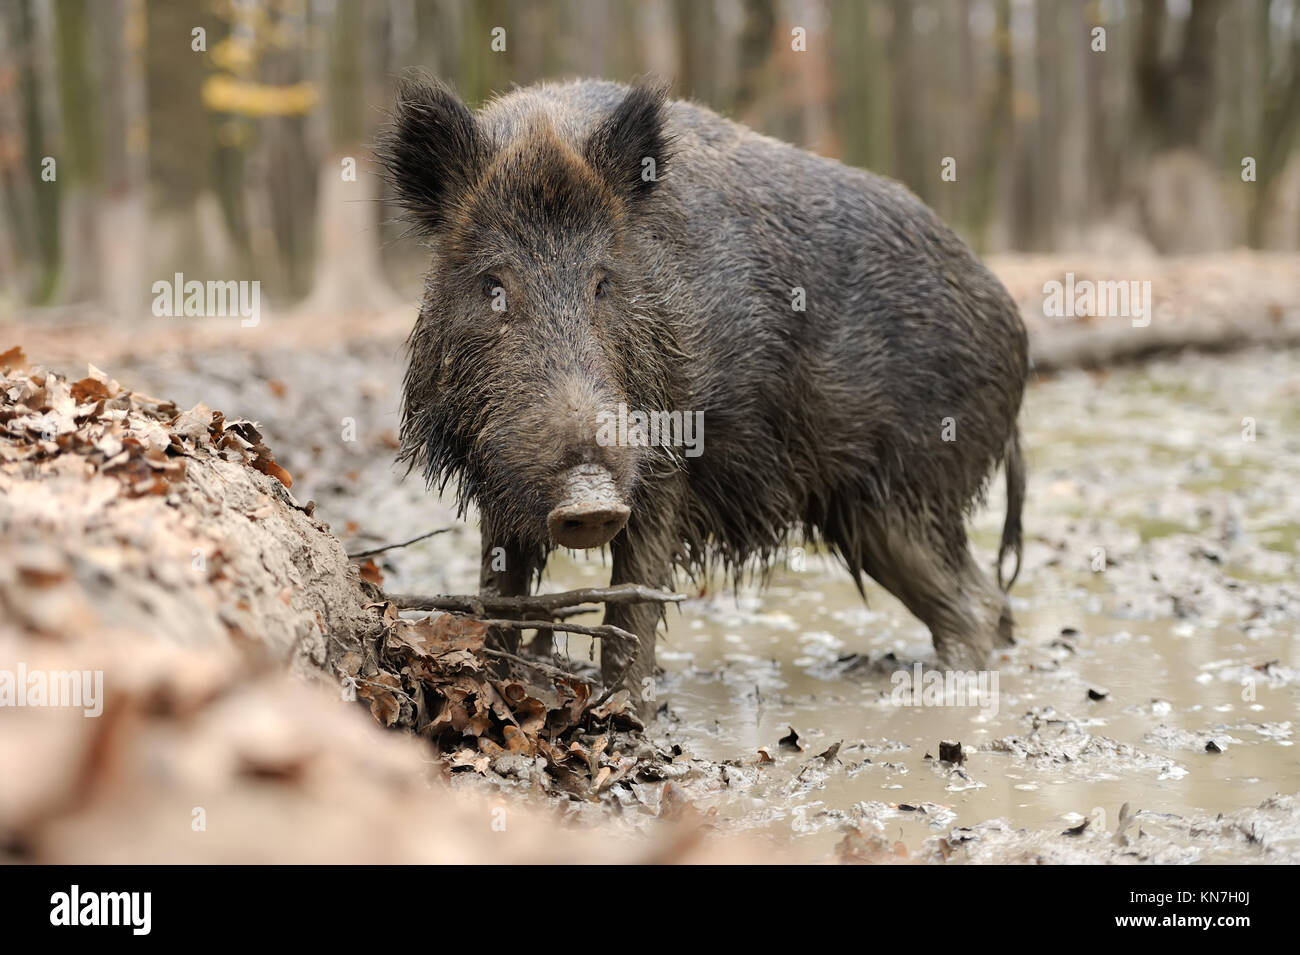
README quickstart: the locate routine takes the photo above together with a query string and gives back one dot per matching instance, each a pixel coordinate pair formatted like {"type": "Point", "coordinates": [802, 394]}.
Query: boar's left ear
{"type": "Point", "coordinates": [630, 147]}
{"type": "Point", "coordinates": [433, 152]}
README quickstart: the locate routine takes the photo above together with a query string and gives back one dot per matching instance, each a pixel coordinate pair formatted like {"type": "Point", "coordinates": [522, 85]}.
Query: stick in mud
{"type": "Point", "coordinates": [599, 632]}
{"type": "Point", "coordinates": [481, 603]}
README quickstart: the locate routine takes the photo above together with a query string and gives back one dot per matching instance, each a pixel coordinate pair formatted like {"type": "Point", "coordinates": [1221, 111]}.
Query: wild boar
{"type": "Point", "coordinates": [602, 254]}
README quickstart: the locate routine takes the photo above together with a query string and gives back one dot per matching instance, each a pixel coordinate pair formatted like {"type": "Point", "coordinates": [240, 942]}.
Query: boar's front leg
{"type": "Point", "coordinates": [507, 570]}
{"type": "Point", "coordinates": [642, 555]}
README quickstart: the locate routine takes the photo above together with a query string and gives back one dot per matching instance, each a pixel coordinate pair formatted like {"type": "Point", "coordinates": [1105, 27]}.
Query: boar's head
{"type": "Point", "coordinates": [541, 311]}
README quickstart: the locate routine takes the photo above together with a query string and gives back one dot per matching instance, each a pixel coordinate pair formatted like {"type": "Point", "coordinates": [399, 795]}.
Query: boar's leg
{"type": "Point", "coordinates": [929, 568]}
{"type": "Point", "coordinates": [507, 569]}
{"type": "Point", "coordinates": [642, 555]}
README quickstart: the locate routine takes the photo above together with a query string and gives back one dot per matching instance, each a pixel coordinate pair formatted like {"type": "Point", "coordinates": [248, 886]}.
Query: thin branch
{"type": "Point", "coordinates": [600, 631]}
{"type": "Point", "coordinates": [383, 686]}
{"type": "Point", "coordinates": [548, 669]}
{"type": "Point", "coordinates": [572, 612]}
{"type": "Point", "coordinates": [618, 680]}
{"type": "Point", "coordinates": [482, 603]}
{"type": "Point", "coordinates": [413, 540]}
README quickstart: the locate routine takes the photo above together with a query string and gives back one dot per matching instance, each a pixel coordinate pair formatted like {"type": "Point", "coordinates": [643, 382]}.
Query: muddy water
{"type": "Point", "coordinates": [1136, 474]}
{"type": "Point", "coordinates": [1163, 527]}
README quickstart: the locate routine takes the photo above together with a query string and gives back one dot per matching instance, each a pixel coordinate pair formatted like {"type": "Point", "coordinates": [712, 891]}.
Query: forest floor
{"type": "Point", "coordinates": [1146, 713]}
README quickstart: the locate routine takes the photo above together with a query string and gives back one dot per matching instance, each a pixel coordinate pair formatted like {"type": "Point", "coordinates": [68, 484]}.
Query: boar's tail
{"type": "Point", "coordinates": [1014, 463]}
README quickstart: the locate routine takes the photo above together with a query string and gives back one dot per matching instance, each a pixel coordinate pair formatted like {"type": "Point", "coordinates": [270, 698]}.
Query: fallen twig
{"type": "Point", "coordinates": [599, 631]}
{"type": "Point", "coordinates": [617, 682]}
{"type": "Point", "coordinates": [483, 603]}
{"type": "Point", "coordinates": [413, 540]}
{"type": "Point", "coordinates": [547, 668]}
{"type": "Point", "coordinates": [572, 612]}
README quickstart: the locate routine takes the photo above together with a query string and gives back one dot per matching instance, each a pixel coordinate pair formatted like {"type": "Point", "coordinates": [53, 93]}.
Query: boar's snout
{"type": "Point", "coordinates": [590, 511]}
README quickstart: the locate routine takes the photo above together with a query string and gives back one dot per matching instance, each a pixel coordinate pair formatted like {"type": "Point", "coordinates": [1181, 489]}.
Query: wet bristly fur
{"type": "Point", "coordinates": [826, 422]}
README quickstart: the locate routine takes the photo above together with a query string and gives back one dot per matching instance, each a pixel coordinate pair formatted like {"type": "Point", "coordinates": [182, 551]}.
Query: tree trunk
{"type": "Point", "coordinates": [348, 272]}
{"type": "Point", "coordinates": [79, 158]}
{"type": "Point", "coordinates": [907, 87]}
{"type": "Point", "coordinates": [31, 204]}
{"type": "Point", "coordinates": [186, 236]}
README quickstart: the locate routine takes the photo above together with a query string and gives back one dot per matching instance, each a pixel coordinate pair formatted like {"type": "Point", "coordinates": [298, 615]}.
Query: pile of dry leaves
{"type": "Point", "coordinates": [529, 720]}
{"type": "Point", "coordinates": [141, 441]}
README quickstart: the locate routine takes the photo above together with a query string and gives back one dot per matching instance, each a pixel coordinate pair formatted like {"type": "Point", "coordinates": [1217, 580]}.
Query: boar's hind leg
{"type": "Point", "coordinates": [931, 571]}
{"type": "Point", "coordinates": [639, 558]}
{"type": "Point", "coordinates": [508, 571]}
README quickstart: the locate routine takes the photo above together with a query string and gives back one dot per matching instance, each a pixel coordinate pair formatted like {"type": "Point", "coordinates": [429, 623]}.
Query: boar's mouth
{"type": "Point", "coordinates": [591, 510]}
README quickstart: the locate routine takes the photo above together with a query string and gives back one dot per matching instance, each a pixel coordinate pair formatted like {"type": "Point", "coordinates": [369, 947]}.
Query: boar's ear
{"type": "Point", "coordinates": [432, 152]}
{"type": "Point", "coordinates": [630, 147]}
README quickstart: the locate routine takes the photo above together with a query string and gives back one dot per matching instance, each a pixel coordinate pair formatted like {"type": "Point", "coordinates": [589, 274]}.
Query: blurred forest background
{"type": "Point", "coordinates": [216, 137]}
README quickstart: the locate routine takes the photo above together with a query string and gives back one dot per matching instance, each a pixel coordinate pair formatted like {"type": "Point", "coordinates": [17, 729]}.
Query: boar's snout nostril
{"type": "Point", "coordinates": [590, 512]}
{"type": "Point", "coordinates": [580, 526]}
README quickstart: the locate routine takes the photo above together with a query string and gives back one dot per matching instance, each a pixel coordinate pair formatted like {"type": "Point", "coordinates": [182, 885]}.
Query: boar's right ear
{"type": "Point", "coordinates": [432, 152]}
{"type": "Point", "coordinates": [630, 147]}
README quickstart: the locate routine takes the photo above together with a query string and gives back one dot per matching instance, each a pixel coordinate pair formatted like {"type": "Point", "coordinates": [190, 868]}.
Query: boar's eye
{"type": "Point", "coordinates": [602, 287]}
{"type": "Point", "coordinates": [494, 292]}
